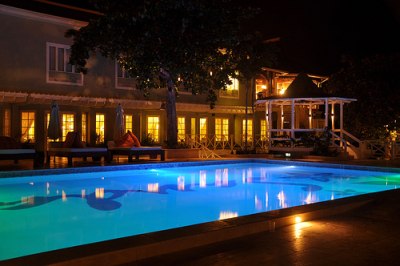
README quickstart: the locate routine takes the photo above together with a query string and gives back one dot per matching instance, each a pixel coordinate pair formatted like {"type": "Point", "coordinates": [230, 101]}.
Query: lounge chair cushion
{"type": "Point", "coordinates": [9, 143]}
{"type": "Point", "coordinates": [136, 142]}
{"type": "Point", "coordinates": [128, 140]}
{"type": "Point", "coordinates": [73, 140]}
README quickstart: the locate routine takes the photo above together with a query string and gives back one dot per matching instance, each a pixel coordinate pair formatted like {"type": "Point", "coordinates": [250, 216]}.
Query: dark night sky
{"type": "Point", "coordinates": [315, 35]}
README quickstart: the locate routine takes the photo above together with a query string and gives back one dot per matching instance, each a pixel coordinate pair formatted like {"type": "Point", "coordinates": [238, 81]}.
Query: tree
{"type": "Point", "coordinates": [374, 82]}
{"type": "Point", "coordinates": [196, 44]}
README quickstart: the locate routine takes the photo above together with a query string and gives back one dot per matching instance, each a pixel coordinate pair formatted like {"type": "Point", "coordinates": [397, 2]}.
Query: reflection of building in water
{"type": "Point", "coordinates": [227, 215]}
{"type": "Point", "coordinates": [99, 193]}
{"type": "Point", "coordinates": [311, 198]}
{"type": "Point", "coordinates": [247, 175]}
{"type": "Point", "coordinates": [203, 178]}
{"type": "Point", "coordinates": [64, 195]}
{"type": "Point", "coordinates": [83, 193]}
{"type": "Point", "coordinates": [181, 183]}
{"type": "Point", "coordinates": [30, 200]}
{"type": "Point", "coordinates": [263, 174]}
{"type": "Point", "coordinates": [257, 203]}
{"type": "Point", "coordinates": [193, 181]}
{"type": "Point", "coordinates": [225, 177]}
{"type": "Point", "coordinates": [152, 187]}
{"type": "Point", "coordinates": [218, 177]}
{"type": "Point", "coordinates": [282, 199]}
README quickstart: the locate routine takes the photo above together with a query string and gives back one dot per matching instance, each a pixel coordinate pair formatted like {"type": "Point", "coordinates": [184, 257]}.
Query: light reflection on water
{"type": "Point", "coordinates": [38, 214]}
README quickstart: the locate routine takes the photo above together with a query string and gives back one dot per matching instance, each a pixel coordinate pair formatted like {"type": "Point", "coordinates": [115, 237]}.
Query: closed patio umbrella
{"type": "Point", "coordinates": [54, 129]}
{"type": "Point", "coordinates": [119, 127]}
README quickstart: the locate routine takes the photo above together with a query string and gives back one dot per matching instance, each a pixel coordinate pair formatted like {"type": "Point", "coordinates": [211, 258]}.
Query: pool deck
{"type": "Point", "coordinates": [362, 231]}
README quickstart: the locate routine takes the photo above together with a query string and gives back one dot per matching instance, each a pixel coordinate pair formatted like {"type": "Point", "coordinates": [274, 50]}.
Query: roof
{"type": "Point", "coordinates": [302, 87]}
{"type": "Point", "coordinates": [78, 10]}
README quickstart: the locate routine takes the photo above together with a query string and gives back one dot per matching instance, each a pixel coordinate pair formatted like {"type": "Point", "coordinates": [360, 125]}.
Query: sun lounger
{"type": "Point", "coordinates": [152, 151]}
{"type": "Point", "coordinates": [17, 154]}
{"type": "Point", "coordinates": [56, 149]}
{"type": "Point", "coordinates": [13, 150]}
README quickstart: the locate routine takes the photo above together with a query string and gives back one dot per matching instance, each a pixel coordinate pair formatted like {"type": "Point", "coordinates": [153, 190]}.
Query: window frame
{"type": "Point", "coordinates": [66, 48]}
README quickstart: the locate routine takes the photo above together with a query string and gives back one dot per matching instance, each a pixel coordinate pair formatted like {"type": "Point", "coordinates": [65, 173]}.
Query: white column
{"type": "Point", "coordinates": [341, 120]}
{"type": "Point", "coordinates": [267, 114]}
{"type": "Point", "coordinates": [326, 112]}
{"type": "Point", "coordinates": [332, 115]}
{"type": "Point", "coordinates": [293, 115]}
{"type": "Point", "coordinates": [310, 116]}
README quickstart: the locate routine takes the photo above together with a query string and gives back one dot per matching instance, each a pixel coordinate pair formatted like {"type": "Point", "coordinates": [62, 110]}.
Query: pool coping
{"type": "Point", "coordinates": [145, 246]}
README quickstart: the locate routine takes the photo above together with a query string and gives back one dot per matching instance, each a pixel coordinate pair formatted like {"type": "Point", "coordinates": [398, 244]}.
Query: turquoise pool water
{"type": "Point", "coordinates": [49, 212]}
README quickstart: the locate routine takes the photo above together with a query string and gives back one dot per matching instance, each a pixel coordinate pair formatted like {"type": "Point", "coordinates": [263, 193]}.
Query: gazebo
{"type": "Point", "coordinates": [303, 110]}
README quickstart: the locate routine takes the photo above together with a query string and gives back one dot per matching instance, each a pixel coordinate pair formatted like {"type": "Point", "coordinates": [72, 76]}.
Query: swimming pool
{"type": "Point", "coordinates": [50, 212]}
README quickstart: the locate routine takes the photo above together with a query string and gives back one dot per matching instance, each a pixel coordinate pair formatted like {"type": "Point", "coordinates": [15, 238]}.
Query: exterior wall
{"type": "Point", "coordinates": [23, 70]}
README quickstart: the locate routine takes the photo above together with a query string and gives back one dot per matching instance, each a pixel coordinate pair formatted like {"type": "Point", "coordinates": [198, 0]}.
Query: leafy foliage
{"type": "Point", "coordinates": [195, 44]}
{"type": "Point", "coordinates": [375, 83]}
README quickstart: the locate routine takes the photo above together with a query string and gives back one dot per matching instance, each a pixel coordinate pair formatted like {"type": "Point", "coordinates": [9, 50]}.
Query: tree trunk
{"type": "Point", "coordinates": [172, 127]}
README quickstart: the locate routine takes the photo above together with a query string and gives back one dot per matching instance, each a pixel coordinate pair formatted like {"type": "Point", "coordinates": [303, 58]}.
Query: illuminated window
{"type": "Point", "coordinates": [263, 128]}
{"type": "Point", "coordinates": [128, 123]}
{"type": "Point", "coordinates": [7, 123]}
{"type": "Point", "coordinates": [203, 128]}
{"type": "Point", "coordinates": [181, 129]}
{"type": "Point", "coordinates": [231, 90]}
{"type": "Point", "coordinates": [67, 124]}
{"type": "Point", "coordinates": [84, 127]}
{"type": "Point", "coordinates": [153, 127]}
{"type": "Point", "coordinates": [261, 88]}
{"type": "Point", "coordinates": [282, 85]}
{"type": "Point", "coordinates": [58, 68]}
{"type": "Point", "coordinates": [123, 80]}
{"type": "Point", "coordinates": [249, 129]}
{"type": "Point", "coordinates": [221, 129]}
{"type": "Point", "coordinates": [193, 127]}
{"type": "Point", "coordinates": [28, 127]}
{"type": "Point", "coordinates": [100, 123]}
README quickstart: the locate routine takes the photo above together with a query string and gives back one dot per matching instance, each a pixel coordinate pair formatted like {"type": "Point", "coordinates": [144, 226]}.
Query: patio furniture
{"type": "Point", "coordinates": [74, 148]}
{"type": "Point", "coordinates": [152, 151]}
{"type": "Point", "coordinates": [10, 149]}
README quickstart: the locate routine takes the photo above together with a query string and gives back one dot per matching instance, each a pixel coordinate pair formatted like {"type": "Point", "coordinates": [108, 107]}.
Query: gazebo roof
{"type": "Point", "coordinates": [301, 87]}
{"type": "Point", "coordinates": [304, 89]}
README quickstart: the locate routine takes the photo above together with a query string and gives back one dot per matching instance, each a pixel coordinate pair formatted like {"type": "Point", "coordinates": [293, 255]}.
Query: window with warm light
{"type": "Point", "coordinates": [263, 130]}
{"type": "Point", "coordinates": [84, 127]}
{"type": "Point", "coordinates": [28, 127]}
{"type": "Point", "coordinates": [181, 129]}
{"type": "Point", "coordinates": [7, 122]}
{"type": "Point", "coordinates": [100, 123]}
{"type": "Point", "coordinates": [58, 68]}
{"type": "Point", "coordinates": [68, 124]}
{"type": "Point", "coordinates": [128, 123]}
{"type": "Point", "coordinates": [203, 128]}
{"type": "Point", "coordinates": [249, 129]}
{"type": "Point", "coordinates": [261, 88]}
{"type": "Point", "coordinates": [123, 80]}
{"type": "Point", "coordinates": [221, 129]}
{"type": "Point", "coordinates": [282, 86]}
{"type": "Point", "coordinates": [153, 127]}
{"type": "Point", "coordinates": [193, 127]}
{"type": "Point", "coordinates": [232, 90]}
